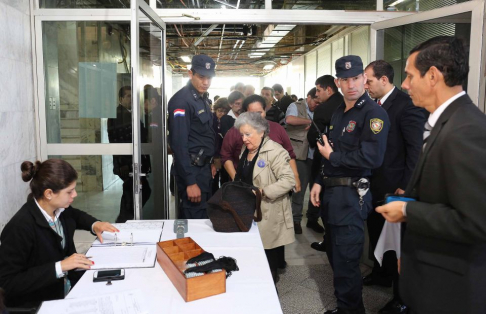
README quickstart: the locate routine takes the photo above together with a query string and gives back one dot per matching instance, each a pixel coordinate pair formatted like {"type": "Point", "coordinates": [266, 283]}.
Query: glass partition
{"type": "Point", "coordinates": [360, 5]}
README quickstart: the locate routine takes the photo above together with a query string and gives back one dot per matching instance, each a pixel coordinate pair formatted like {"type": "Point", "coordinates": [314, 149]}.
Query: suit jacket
{"type": "Point", "coordinates": [29, 250]}
{"type": "Point", "coordinates": [227, 122]}
{"type": "Point", "coordinates": [403, 146]}
{"type": "Point", "coordinates": [443, 266]}
{"type": "Point", "coordinates": [273, 174]}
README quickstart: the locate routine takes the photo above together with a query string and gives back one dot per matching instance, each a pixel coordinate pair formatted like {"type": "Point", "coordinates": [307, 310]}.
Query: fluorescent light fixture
{"type": "Point", "coordinates": [186, 59]}
{"type": "Point", "coordinates": [268, 67]}
{"type": "Point", "coordinates": [396, 2]}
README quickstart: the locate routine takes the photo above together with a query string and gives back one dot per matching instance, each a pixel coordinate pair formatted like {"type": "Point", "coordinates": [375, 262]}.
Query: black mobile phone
{"type": "Point", "coordinates": [109, 275]}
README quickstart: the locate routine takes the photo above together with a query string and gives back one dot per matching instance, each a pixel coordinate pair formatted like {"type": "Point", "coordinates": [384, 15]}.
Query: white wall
{"type": "Point", "coordinates": [17, 124]}
{"type": "Point", "coordinates": [298, 76]}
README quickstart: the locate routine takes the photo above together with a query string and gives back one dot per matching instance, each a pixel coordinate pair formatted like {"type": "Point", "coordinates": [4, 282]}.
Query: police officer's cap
{"type": "Point", "coordinates": [349, 66]}
{"type": "Point", "coordinates": [203, 65]}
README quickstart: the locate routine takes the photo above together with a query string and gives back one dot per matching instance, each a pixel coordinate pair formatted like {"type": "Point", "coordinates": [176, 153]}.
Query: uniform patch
{"type": "Point", "coordinates": [261, 163]}
{"type": "Point", "coordinates": [208, 65]}
{"type": "Point", "coordinates": [351, 126]}
{"type": "Point", "coordinates": [376, 125]}
{"type": "Point", "coordinates": [200, 111]}
{"type": "Point", "coordinates": [330, 128]}
{"type": "Point", "coordinates": [179, 113]}
{"type": "Point", "coordinates": [347, 65]}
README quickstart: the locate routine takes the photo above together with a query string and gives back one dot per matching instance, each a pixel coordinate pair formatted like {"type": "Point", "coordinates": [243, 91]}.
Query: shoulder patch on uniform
{"type": "Point", "coordinates": [351, 126]}
{"type": "Point", "coordinates": [376, 125]}
{"type": "Point", "coordinates": [200, 111]}
{"type": "Point", "coordinates": [179, 113]}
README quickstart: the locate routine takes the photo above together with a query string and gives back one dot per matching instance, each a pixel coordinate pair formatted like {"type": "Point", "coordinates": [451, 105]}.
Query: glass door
{"type": "Point", "coordinates": [150, 160]}
{"type": "Point", "coordinates": [393, 39]}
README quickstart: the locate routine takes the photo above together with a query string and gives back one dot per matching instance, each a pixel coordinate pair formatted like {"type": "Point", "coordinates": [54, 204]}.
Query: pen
{"type": "Point", "coordinates": [89, 256]}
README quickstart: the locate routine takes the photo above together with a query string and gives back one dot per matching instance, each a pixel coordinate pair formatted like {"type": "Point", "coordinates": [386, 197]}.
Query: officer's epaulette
{"type": "Point", "coordinates": [360, 104]}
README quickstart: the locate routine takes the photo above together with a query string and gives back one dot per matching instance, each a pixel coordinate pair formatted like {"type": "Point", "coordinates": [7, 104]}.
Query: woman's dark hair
{"type": "Point", "coordinates": [54, 174]}
{"type": "Point", "coordinates": [251, 99]}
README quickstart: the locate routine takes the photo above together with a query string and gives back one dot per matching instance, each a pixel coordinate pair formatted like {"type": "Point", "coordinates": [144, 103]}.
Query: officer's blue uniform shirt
{"type": "Point", "coordinates": [190, 130]}
{"type": "Point", "coordinates": [359, 139]}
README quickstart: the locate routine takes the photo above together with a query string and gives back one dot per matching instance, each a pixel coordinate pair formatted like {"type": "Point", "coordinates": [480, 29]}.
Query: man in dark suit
{"type": "Point", "coordinates": [402, 150]}
{"type": "Point", "coordinates": [443, 254]}
{"type": "Point", "coordinates": [330, 98]}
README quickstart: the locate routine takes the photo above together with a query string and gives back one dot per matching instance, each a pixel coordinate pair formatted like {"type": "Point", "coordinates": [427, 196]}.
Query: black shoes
{"type": "Point", "coordinates": [319, 246]}
{"type": "Point", "coordinates": [297, 227]}
{"type": "Point", "coordinates": [314, 225]}
{"type": "Point", "coordinates": [345, 311]}
{"type": "Point", "coordinates": [371, 280]}
{"type": "Point", "coordinates": [394, 307]}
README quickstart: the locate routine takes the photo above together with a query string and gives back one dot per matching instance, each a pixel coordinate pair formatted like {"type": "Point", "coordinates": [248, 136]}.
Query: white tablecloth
{"type": "Point", "coordinates": [249, 290]}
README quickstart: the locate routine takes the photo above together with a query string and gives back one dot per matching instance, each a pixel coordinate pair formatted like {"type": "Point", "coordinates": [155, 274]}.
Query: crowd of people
{"type": "Point", "coordinates": [354, 139]}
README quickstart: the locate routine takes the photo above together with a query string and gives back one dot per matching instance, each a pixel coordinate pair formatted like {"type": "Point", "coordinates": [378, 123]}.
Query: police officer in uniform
{"type": "Point", "coordinates": [356, 145]}
{"type": "Point", "coordinates": [192, 138]}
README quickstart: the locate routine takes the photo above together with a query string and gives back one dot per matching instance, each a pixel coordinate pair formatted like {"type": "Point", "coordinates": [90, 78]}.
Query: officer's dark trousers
{"type": "Point", "coordinates": [344, 238]}
{"type": "Point", "coordinates": [204, 181]}
{"type": "Point", "coordinates": [126, 203]}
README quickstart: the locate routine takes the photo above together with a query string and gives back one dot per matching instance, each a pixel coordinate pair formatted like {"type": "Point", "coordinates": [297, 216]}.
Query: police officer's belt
{"type": "Point", "coordinates": [200, 161]}
{"type": "Point", "coordinates": [343, 181]}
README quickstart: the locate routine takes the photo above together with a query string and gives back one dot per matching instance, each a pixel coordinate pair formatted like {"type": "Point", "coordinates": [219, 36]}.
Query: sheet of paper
{"type": "Point", "coordinates": [127, 302]}
{"type": "Point", "coordinates": [122, 256]}
{"type": "Point", "coordinates": [130, 236]}
{"type": "Point", "coordinates": [141, 224]}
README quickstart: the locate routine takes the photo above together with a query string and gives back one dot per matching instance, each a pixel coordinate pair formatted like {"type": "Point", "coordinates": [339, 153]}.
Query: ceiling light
{"type": "Point", "coordinates": [395, 3]}
{"type": "Point", "coordinates": [186, 59]}
{"type": "Point", "coordinates": [268, 67]}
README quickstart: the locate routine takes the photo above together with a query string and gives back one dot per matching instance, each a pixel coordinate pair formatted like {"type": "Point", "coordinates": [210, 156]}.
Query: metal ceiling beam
{"type": "Point", "coordinates": [205, 34]}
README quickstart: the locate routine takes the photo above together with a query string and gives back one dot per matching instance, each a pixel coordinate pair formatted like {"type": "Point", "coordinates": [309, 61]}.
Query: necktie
{"type": "Point", "coordinates": [427, 129]}
{"type": "Point", "coordinates": [379, 102]}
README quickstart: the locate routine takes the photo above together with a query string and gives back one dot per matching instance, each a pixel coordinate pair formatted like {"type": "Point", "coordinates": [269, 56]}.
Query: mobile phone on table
{"type": "Point", "coordinates": [108, 275]}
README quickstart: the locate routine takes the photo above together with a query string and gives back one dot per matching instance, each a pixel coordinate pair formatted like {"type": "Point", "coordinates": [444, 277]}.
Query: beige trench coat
{"type": "Point", "coordinates": [273, 174]}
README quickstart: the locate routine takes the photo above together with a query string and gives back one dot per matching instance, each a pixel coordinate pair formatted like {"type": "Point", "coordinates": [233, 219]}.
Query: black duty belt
{"type": "Point", "coordinates": [339, 181]}
{"type": "Point", "coordinates": [200, 161]}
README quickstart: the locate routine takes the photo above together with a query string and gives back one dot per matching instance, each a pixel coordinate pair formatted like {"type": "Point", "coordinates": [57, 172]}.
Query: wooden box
{"type": "Point", "coordinates": [172, 256]}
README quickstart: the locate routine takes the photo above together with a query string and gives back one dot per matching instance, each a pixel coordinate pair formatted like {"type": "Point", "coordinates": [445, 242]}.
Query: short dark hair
{"type": "Point", "coordinates": [150, 93]}
{"type": "Point", "coordinates": [270, 89]}
{"type": "Point", "coordinates": [54, 174]}
{"type": "Point", "coordinates": [234, 96]}
{"type": "Point", "coordinates": [382, 68]}
{"type": "Point", "coordinates": [251, 99]}
{"type": "Point", "coordinates": [278, 88]}
{"type": "Point", "coordinates": [121, 92]}
{"type": "Point", "coordinates": [326, 81]}
{"type": "Point", "coordinates": [312, 92]}
{"type": "Point", "coordinates": [447, 54]}
{"type": "Point", "coordinates": [222, 103]}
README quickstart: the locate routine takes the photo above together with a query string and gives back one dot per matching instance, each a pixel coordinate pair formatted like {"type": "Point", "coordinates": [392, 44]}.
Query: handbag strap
{"type": "Point", "coordinates": [227, 207]}
{"type": "Point", "coordinates": [258, 208]}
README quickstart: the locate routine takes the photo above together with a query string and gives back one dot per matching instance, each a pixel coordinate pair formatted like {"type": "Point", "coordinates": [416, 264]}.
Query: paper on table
{"type": "Point", "coordinates": [126, 302]}
{"type": "Point", "coordinates": [122, 256]}
{"type": "Point", "coordinates": [141, 225]}
{"type": "Point", "coordinates": [127, 237]}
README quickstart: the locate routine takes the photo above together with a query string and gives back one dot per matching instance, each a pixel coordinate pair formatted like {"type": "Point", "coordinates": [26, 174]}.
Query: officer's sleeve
{"type": "Point", "coordinates": [372, 143]}
{"type": "Point", "coordinates": [412, 127]}
{"type": "Point", "coordinates": [179, 127]}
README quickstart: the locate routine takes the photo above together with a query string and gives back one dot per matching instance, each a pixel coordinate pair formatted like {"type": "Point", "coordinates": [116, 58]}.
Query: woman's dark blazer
{"type": "Point", "coordinates": [29, 250]}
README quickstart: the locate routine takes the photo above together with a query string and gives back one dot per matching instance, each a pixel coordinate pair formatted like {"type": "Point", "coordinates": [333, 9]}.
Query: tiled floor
{"type": "Point", "coordinates": [305, 286]}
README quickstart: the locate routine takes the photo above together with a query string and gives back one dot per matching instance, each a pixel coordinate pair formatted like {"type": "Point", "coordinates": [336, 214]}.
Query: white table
{"type": "Point", "coordinates": [249, 290]}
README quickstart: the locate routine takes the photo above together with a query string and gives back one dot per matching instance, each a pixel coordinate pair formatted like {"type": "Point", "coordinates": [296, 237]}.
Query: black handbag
{"type": "Point", "coordinates": [232, 208]}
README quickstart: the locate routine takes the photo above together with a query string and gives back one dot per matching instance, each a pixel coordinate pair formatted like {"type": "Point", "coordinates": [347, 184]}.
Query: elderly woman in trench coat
{"type": "Point", "coordinates": [265, 164]}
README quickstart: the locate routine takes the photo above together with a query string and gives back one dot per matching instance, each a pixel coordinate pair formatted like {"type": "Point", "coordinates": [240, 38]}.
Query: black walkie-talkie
{"type": "Point", "coordinates": [320, 139]}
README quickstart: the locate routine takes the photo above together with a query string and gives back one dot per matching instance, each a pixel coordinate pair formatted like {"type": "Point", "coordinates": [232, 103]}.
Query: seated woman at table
{"type": "Point", "coordinates": [265, 164]}
{"type": "Point", "coordinates": [37, 252]}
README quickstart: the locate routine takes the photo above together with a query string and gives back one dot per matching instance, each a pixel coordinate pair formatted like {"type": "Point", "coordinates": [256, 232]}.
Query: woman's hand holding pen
{"type": "Point", "coordinates": [76, 261]}
{"type": "Point", "coordinates": [100, 226]}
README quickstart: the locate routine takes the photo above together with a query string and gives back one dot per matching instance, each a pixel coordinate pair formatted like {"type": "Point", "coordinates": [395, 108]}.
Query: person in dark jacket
{"type": "Point", "coordinates": [37, 252]}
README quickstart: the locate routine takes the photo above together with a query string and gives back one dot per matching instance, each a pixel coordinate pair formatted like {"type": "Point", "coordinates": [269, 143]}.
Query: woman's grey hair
{"type": "Point", "coordinates": [253, 119]}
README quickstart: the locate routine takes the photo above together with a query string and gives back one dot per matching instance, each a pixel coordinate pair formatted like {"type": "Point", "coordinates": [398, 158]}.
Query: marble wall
{"type": "Point", "coordinates": [17, 123]}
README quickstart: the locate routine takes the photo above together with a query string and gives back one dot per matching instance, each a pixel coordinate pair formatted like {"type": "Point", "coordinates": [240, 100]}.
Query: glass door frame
{"type": "Point", "coordinates": [476, 78]}
{"type": "Point", "coordinates": [139, 7]}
